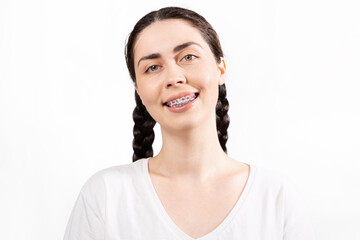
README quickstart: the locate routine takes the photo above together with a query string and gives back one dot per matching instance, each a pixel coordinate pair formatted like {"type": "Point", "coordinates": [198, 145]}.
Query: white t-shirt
{"type": "Point", "coordinates": [120, 203]}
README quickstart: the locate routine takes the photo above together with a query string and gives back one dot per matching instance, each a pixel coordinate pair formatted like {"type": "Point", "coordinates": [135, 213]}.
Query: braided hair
{"type": "Point", "coordinates": [143, 122]}
{"type": "Point", "coordinates": [143, 131]}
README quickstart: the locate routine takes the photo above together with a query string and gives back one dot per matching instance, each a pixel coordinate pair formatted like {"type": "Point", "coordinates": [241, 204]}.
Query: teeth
{"type": "Point", "coordinates": [181, 101]}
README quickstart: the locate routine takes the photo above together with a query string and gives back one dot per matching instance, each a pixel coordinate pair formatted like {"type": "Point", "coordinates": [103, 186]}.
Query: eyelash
{"type": "Point", "coordinates": [192, 58]}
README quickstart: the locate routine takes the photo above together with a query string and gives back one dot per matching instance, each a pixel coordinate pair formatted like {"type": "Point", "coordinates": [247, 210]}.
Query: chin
{"type": "Point", "coordinates": [185, 124]}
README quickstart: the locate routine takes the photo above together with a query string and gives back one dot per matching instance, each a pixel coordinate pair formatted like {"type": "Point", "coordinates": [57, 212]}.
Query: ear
{"type": "Point", "coordinates": [136, 88]}
{"type": "Point", "coordinates": [137, 91]}
{"type": "Point", "coordinates": [222, 69]}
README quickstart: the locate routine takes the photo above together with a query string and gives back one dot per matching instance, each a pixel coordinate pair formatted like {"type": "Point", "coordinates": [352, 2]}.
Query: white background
{"type": "Point", "coordinates": [66, 102]}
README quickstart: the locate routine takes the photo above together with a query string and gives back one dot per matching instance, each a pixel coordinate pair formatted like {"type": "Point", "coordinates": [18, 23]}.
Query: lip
{"type": "Point", "coordinates": [179, 95]}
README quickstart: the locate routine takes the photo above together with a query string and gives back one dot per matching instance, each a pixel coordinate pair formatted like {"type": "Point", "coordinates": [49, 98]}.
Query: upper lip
{"type": "Point", "coordinates": [179, 95]}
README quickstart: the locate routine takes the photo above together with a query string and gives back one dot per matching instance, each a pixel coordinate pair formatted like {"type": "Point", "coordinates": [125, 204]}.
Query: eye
{"type": "Point", "coordinates": [152, 68]}
{"type": "Point", "coordinates": [189, 57]}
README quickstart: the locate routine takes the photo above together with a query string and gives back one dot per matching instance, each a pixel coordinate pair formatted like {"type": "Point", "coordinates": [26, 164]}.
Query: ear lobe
{"type": "Point", "coordinates": [136, 87]}
{"type": "Point", "coordinates": [137, 90]}
{"type": "Point", "coordinates": [222, 68]}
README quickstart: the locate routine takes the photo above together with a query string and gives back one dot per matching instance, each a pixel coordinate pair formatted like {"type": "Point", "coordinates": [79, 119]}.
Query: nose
{"type": "Point", "coordinates": [174, 76]}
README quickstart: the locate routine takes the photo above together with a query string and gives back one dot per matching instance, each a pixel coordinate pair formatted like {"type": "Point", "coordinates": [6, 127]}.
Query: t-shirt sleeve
{"type": "Point", "coordinates": [297, 221]}
{"type": "Point", "coordinates": [87, 217]}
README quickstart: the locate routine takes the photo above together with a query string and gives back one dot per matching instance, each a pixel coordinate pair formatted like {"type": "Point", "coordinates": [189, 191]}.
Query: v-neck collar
{"type": "Point", "coordinates": [175, 228]}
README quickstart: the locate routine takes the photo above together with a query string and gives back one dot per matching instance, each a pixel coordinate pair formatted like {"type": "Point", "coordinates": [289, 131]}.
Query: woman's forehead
{"type": "Point", "coordinates": [163, 35]}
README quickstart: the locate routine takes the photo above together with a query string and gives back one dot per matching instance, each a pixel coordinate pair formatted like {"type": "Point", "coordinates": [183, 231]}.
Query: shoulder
{"type": "Point", "coordinates": [277, 187]}
{"type": "Point", "coordinates": [271, 179]}
{"type": "Point", "coordinates": [112, 177]}
{"type": "Point", "coordinates": [277, 193]}
{"type": "Point", "coordinates": [269, 184]}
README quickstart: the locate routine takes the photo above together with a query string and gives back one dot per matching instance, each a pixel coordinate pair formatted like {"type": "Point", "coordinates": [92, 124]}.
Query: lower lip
{"type": "Point", "coordinates": [183, 108]}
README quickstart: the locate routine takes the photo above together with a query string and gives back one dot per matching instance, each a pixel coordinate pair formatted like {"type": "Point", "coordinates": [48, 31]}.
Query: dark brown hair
{"type": "Point", "coordinates": [143, 122]}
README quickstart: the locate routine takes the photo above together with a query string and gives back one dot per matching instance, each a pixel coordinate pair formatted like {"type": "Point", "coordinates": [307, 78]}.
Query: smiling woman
{"type": "Point", "coordinates": [191, 189]}
{"type": "Point", "coordinates": [180, 66]}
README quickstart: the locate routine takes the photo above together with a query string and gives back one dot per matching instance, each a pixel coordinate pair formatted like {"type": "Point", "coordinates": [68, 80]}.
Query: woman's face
{"type": "Point", "coordinates": [177, 76]}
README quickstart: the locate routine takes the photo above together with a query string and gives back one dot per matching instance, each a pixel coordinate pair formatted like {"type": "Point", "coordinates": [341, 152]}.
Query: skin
{"type": "Point", "coordinates": [191, 151]}
{"type": "Point", "coordinates": [197, 183]}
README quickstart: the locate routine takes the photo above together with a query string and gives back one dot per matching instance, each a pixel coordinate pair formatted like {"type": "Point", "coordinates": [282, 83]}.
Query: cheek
{"type": "Point", "coordinates": [206, 79]}
{"type": "Point", "coordinates": [205, 74]}
{"type": "Point", "coordinates": [149, 94]}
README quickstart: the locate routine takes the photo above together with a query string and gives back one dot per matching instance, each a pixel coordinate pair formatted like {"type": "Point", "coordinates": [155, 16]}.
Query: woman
{"type": "Point", "coordinates": [192, 189]}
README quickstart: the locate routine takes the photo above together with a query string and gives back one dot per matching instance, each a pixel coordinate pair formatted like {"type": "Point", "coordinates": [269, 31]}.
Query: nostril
{"type": "Point", "coordinates": [179, 81]}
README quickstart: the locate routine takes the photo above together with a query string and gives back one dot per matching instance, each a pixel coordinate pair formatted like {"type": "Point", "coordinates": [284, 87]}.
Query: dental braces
{"type": "Point", "coordinates": [181, 101]}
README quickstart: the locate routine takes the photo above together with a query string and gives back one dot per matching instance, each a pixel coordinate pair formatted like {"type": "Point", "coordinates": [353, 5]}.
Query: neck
{"type": "Point", "coordinates": [193, 155]}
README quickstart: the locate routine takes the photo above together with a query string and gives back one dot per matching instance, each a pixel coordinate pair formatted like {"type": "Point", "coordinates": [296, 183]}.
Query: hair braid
{"type": "Point", "coordinates": [143, 131]}
{"type": "Point", "coordinates": [222, 117]}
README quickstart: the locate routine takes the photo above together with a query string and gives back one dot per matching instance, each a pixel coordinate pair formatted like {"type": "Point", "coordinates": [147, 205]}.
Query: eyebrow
{"type": "Point", "coordinates": [175, 50]}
